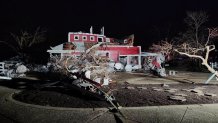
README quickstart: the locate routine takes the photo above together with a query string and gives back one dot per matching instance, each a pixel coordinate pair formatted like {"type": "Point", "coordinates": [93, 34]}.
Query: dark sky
{"type": "Point", "coordinates": [148, 20]}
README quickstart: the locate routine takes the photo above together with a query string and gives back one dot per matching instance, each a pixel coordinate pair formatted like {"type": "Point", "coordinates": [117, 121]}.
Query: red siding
{"type": "Point", "coordinates": [114, 56]}
{"type": "Point", "coordinates": [71, 38]}
{"type": "Point", "coordinates": [123, 50]}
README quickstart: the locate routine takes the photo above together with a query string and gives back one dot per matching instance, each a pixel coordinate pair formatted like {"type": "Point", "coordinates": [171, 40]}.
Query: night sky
{"type": "Point", "coordinates": [149, 20]}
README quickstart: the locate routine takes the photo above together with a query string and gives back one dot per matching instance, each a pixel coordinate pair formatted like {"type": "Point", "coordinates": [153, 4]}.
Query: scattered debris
{"type": "Point", "coordinates": [180, 94]}
{"type": "Point", "coordinates": [42, 68]}
{"type": "Point", "coordinates": [129, 87]}
{"type": "Point", "coordinates": [2, 67]}
{"type": "Point", "coordinates": [188, 90]}
{"type": "Point", "coordinates": [178, 98]}
{"type": "Point", "coordinates": [163, 53]}
{"type": "Point", "coordinates": [210, 94]}
{"type": "Point", "coordinates": [198, 92]}
{"type": "Point", "coordinates": [126, 83]}
{"type": "Point", "coordinates": [21, 69]}
{"type": "Point", "coordinates": [165, 85]}
{"type": "Point", "coordinates": [5, 77]}
{"type": "Point", "coordinates": [172, 72]}
{"type": "Point", "coordinates": [128, 68]}
{"type": "Point", "coordinates": [12, 69]}
{"type": "Point", "coordinates": [200, 88]}
{"type": "Point", "coordinates": [143, 88]}
{"type": "Point", "coordinates": [118, 66]}
{"type": "Point", "coordinates": [158, 89]}
{"type": "Point", "coordinates": [21, 75]}
{"type": "Point", "coordinates": [170, 90]}
{"type": "Point", "coordinates": [136, 67]}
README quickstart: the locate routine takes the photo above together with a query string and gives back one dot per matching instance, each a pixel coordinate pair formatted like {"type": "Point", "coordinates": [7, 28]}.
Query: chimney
{"type": "Point", "coordinates": [102, 30]}
{"type": "Point", "coordinates": [91, 30]}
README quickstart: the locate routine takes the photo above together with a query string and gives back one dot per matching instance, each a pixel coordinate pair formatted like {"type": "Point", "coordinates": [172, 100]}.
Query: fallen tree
{"type": "Point", "coordinates": [85, 70]}
{"type": "Point", "coordinates": [199, 50]}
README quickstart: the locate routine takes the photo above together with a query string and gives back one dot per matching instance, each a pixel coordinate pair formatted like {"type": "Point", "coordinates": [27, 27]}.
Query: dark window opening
{"type": "Point", "coordinates": [100, 39]}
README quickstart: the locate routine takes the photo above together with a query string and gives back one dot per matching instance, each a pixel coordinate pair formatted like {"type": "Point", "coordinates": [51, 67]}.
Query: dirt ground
{"type": "Point", "coordinates": [127, 95]}
{"type": "Point", "coordinates": [129, 89]}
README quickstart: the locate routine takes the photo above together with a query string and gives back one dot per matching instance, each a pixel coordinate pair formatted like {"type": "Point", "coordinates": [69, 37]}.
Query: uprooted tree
{"type": "Point", "coordinates": [200, 51]}
{"type": "Point", "coordinates": [195, 43]}
{"type": "Point", "coordinates": [96, 66]}
{"type": "Point", "coordinates": [85, 69]}
{"type": "Point", "coordinates": [195, 34]}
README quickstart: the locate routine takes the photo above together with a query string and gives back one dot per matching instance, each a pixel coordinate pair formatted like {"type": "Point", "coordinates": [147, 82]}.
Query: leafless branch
{"type": "Point", "coordinates": [193, 51]}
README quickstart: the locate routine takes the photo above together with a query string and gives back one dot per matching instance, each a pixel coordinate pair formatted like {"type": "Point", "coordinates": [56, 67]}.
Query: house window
{"type": "Point", "coordinates": [91, 38]}
{"type": "Point", "coordinates": [107, 39]}
{"type": "Point", "coordinates": [84, 38]}
{"type": "Point", "coordinates": [76, 37]}
{"type": "Point", "coordinates": [100, 39]}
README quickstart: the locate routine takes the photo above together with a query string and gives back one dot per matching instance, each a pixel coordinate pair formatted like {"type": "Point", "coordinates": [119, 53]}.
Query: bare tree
{"type": "Point", "coordinates": [201, 52]}
{"type": "Point", "coordinates": [195, 34]}
{"type": "Point", "coordinates": [25, 40]}
{"type": "Point", "coordinates": [195, 20]}
{"type": "Point", "coordinates": [164, 46]}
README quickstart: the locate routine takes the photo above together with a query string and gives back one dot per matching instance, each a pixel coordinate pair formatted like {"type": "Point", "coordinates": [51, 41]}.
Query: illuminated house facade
{"type": "Point", "coordinates": [117, 50]}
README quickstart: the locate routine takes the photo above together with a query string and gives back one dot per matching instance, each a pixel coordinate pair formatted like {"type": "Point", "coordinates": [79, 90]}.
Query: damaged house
{"type": "Point", "coordinates": [116, 50]}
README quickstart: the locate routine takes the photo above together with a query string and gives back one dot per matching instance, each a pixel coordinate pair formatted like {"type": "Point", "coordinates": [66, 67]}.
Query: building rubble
{"type": "Point", "coordinates": [122, 55]}
{"type": "Point", "coordinates": [10, 69]}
